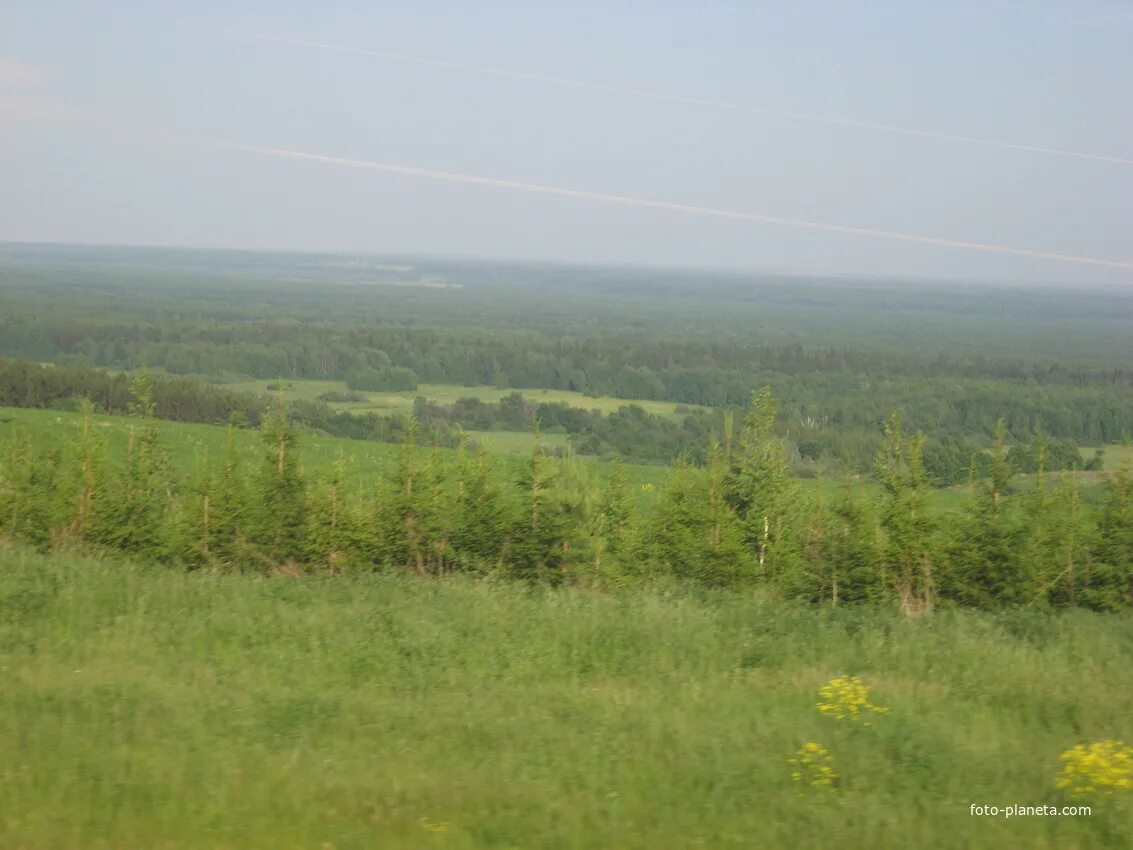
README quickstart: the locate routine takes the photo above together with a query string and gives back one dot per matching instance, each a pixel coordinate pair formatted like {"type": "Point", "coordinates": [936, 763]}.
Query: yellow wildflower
{"type": "Point", "coordinates": [847, 697]}
{"type": "Point", "coordinates": [813, 766]}
{"type": "Point", "coordinates": [1100, 768]}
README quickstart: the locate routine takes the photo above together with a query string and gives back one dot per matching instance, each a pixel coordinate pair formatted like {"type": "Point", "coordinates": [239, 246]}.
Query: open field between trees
{"type": "Point", "coordinates": [402, 402]}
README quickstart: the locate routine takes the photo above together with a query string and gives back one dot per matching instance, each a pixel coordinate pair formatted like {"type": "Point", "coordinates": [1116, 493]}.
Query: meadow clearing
{"type": "Point", "coordinates": [402, 402]}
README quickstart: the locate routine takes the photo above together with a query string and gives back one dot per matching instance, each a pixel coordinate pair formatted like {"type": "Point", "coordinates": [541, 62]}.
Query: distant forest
{"type": "Point", "coordinates": [840, 356]}
{"type": "Point", "coordinates": [630, 433]}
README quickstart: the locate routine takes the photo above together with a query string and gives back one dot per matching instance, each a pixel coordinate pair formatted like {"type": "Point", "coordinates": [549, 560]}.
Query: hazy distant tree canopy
{"type": "Point", "coordinates": [839, 355]}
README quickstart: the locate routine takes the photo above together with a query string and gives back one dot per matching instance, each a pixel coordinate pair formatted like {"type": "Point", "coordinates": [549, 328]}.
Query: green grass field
{"type": "Point", "coordinates": [516, 442]}
{"type": "Point", "coordinates": [188, 443]}
{"type": "Point", "coordinates": [402, 402]}
{"type": "Point", "coordinates": [144, 708]}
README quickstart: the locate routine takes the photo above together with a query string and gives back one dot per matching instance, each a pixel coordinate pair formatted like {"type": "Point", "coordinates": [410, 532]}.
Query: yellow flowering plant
{"type": "Point", "coordinates": [813, 766]}
{"type": "Point", "coordinates": [847, 698]}
{"type": "Point", "coordinates": [1099, 768]}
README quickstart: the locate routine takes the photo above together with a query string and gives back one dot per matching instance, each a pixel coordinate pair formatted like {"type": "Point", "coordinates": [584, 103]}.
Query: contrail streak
{"type": "Point", "coordinates": [697, 101]}
{"type": "Point", "coordinates": [629, 201]}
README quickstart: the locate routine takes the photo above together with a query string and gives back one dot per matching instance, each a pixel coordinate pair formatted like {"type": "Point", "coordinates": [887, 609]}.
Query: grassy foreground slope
{"type": "Point", "coordinates": [150, 708]}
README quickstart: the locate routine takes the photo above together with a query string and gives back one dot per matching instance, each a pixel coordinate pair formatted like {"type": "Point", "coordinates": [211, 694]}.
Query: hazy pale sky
{"type": "Point", "coordinates": [97, 100]}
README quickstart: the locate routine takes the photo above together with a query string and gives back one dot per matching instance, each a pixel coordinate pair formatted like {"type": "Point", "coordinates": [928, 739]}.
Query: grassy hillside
{"type": "Point", "coordinates": [187, 443]}
{"type": "Point", "coordinates": [146, 708]}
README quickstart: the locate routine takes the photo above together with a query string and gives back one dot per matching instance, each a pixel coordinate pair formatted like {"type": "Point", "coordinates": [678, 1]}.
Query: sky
{"type": "Point", "coordinates": [120, 124]}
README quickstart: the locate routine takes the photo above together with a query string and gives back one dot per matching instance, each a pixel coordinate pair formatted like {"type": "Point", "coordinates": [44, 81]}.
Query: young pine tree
{"type": "Point", "coordinates": [1050, 532]}
{"type": "Point", "coordinates": [30, 486]}
{"type": "Point", "coordinates": [437, 517]}
{"type": "Point", "coordinates": [609, 523]}
{"type": "Point", "coordinates": [908, 559]}
{"type": "Point", "coordinates": [214, 517]}
{"type": "Point", "coordinates": [483, 515]}
{"type": "Point", "coordinates": [192, 538]}
{"type": "Point", "coordinates": [541, 537]}
{"type": "Point", "coordinates": [1068, 545]}
{"type": "Point", "coordinates": [412, 520]}
{"type": "Point", "coordinates": [1108, 584]}
{"type": "Point", "coordinates": [131, 503]}
{"type": "Point", "coordinates": [233, 518]}
{"type": "Point", "coordinates": [693, 531]}
{"type": "Point", "coordinates": [88, 472]}
{"type": "Point", "coordinates": [761, 491]}
{"type": "Point", "coordinates": [987, 563]}
{"type": "Point", "coordinates": [335, 541]}
{"type": "Point", "coordinates": [279, 518]}
{"type": "Point", "coordinates": [848, 567]}
{"type": "Point", "coordinates": [578, 495]}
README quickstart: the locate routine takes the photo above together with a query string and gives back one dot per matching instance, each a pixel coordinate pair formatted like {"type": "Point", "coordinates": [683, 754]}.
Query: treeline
{"type": "Point", "coordinates": [184, 399]}
{"type": "Point", "coordinates": [632, 364]}
{"type": "Point", "coordinates": [844, 389]}
{"type": "Point", "coordinates": [630, 433]}
{"type": "Point", "coordinates": [738, 522]}
{"type": "Point", "coordinates": [178, 399]}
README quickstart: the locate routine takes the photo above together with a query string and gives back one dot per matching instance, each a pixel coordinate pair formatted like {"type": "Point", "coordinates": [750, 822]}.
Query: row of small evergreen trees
{"type": "Point", "coordinates": [738, 521]}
